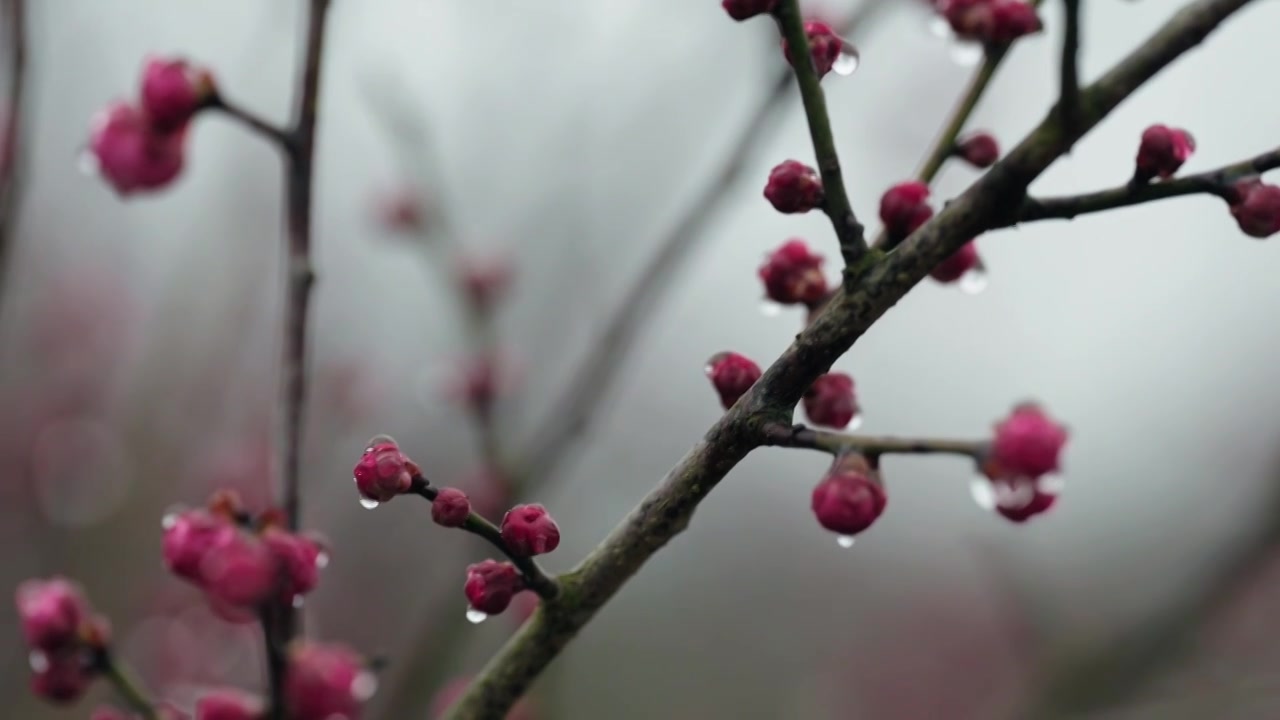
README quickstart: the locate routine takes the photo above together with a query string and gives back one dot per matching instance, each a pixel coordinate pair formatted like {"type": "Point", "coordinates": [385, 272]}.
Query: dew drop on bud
{"type": "Point", "coordinates": [322, 560]}
{"type": "Point", "coordinates": [169, 520]}
{"type": "Point", "coordinates": [297, 602]}
{"type": "Point", "coordinates": [475, 617]}
{"type": "Point", "coordinates": [966, 54]}
{"type": "Point", "coordinates": [1051, 484]}
{"type": "Point", "coordinates": [974, 281]}
{"type": "Point", "coordinates": [847, 61]}
{"type": "Point", "coordinates": [845, 541]}
{"type": "Point", "coordinates": [364, 686]}
{"type": "Point", "coordinates": [368, 503]}
{"type": "Point", "coordinates": [38, 660]}
{"type": "Point", "coordinates": [940, 28]}
{"type": "Point", "coordinates": [770, 309]}
{"type": "Point", "coordinates": [854, 423]}
{"type": "Point", "coordinates": [983, 493]}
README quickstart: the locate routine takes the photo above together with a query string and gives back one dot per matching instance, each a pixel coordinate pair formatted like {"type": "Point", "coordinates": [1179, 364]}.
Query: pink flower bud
{"type": "Point", "coordinates": [172, 92]}
{"type": "Point", "coordinates": [1027, 444]}
{"type": "Point", "coordinates": [794, 187]}
{"type": "Point", "coordinates": [324, 682]}
{"type": "Point", "coordinates": [1162, 151]}
{"type": "Point", "coordinates": [1029, 504]}
{"type": "Point", "coordinates": [238, 569]}
{"type": "Point", "coordinates": [849, 498]}
{"type": "Point", "coordinates": [960, 262]}
{"type": "Point", "coordinates": [793, 275]}
{"type": "Point", "coordinates": [453, 691]}
{"type": "Point", "coordinates": [52, 613]}
{"type": "Point", "coordinates": [401, 210]}
{"type": "Point", "coordinates": [529, 530]}
{"type": "Point", "coordinates": [229, 705]}
{"type": "Point", "coordinates": [830, 400]}
{"type": "Point", "coordinates": [485, 280]}
{"type": "Point", "coordinates": [824, 46]}
{"type": "Point", "coordinates": [1257, 208]}
{"type": "Point", "coordinates": [979, 150]}
{"type": "Point", "coordinates": [991, 21]}
{"type": "Point", "coordinates": [299, 560]}
{"type": "Point", "coordinates": [450, 508]}
{"type": "Point", "coordinates": [61, 677]}
{"type": "Point", "coordinates": [188, 535]}
{"type": "Point", "coordinates": [131, 155]}
{"type": "Point", "coordinates": [732, 375]}
{"type": "Point", "coordinates": [744, 9]}
{"type": "Point", "coordinates": [491, 585]}
{"type": "Point", "coordinates": [904, 208]}
{"type": "Point", "coordinates": [478, 385]}
{"type": "Point", "coordinates": [383, 472]}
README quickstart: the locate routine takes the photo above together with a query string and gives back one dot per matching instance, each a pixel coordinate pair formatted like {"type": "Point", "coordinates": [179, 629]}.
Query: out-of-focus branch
{"type": "Point", "coordinates": [11, 125]}
{"type": "Point", "coordinates": [667, 510]}
{"type": "Point", "coordinates": [1213, 182]}
{"type": "Point", "coordinates": [128, 688]}
{"type": "Point", "coordinates": [835, 203]}
{"type": "Point", "coordinates": [799, 436]}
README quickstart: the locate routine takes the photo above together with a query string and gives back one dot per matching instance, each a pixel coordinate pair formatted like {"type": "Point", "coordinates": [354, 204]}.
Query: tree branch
{"type": "Point", "coordinates": [853, 244]}
{"type": "Point", "coordinates": [1213, 182]}
{"type": "Point", "coordinates": [128, 688]}
{"type": "Point", "coordinates": [537, 580]}
{"type": "Point", "coordinates": [799, 436]}
{"type": "Point", "coordinates": [1069, 102]}
{"type": "Point", "coordinates": [11, 125]}
{"type": "Point", "coordinates": [252, 121]}
{"type": "Point", "coordinates": [667, 510]}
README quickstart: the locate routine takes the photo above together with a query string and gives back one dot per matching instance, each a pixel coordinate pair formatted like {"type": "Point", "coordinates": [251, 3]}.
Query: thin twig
{"type": "Point", "coordinates": [799, 436]}
{"type": "Point", "coordinates": [129, 689]}
{"type": "Point", "coordinates": [853, 244]}
{"type": "Point", "coordinates": [12, 155]}
{"type": "Point", "coordinates": [1213, 182]}
{"type": "Point", "coordinates": [252, 121]}
{"type": "Point", "coordinates": [1069, 101]}
{"type": "Point", "coordinates": [535, 578]}
{"type": "Point", "coordinates": [667, 510]}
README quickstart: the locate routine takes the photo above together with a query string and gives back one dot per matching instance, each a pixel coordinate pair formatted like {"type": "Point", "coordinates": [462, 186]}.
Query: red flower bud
{"type": "Point", "coordinates": [991, 21]}
{"type": "Point", "coordinates": [325, 682]}
{"type": "Point", "coordinates": [904, 208]}
{"type": "Point", "coordinates": [732, 375]}
{"type": "Point", "coordinates": [450, 508]}
{"type": "Point", "coordinates": [1162, 151]}
{"type": "Point", "coordinates": [188, 535]}
{"type": "Point", "coordinates": [238, 569]}
{"type": "Point", "coordinates": [1028, 505]}
{"type": "Point", "coordinates": [824, 46]}
{"type": "Point", "coordinates": [1257, 208]}
{"type": "Point", "coordinates": [485, 280]}
{"type": "Point", "coordinates": [299, 560]}
{"type": "Point", "coordinates": [131, 155]}
{"type": "Point", "coordinates": [383, 472]}
{"type": "Point", "coordinates": [173, 91]}
{"type": "Point", "coordinates": [491, 585]}
{"type": "Point", "coordinates": [744, 9]}
{"type": "Point", "coordinates": [1027, 444]}
{"type": "Point", "coordinates": [979, 150]}
{"type": "Point", "coordinates": [60, 677]}
{"type": "Point", "coordinates": [849, 498]}
{"type": "Point", "coordinates": [530, 530]}
{"type": "Point", "coordinates": [960, 262]}
{"type": "Point", "coordinates": [793, 275]}
{"type": "Point", "coordinates": [52, 613]}
{"type": "Point", "coordinates": [229, 705]}
{"type": "Point", "coordinates": [830, 401]}
{"type": "Point", "coordinates": [794, 187]}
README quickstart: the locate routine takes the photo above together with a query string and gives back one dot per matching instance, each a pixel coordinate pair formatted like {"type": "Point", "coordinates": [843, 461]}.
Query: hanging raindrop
{"type": "Point", "coordinates": [845, 541]}
{"type": "Point", "coordinates": [475, 617]}
{"type": "Point", "coordinates": [368, 503]}
{"type": "Point", "coordinates": [847, 61]}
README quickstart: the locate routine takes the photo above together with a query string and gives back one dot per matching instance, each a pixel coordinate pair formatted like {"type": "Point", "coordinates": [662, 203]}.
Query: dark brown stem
{"type": "Point", "coordinates": [853, 243]}
{"type": "Point", "coordinates": [667, 510]}
{"type": "Point", "coordinates": [276, 135]}
{"type": "Point", "coordinates": [12, 155]}
{"type": "Point", "coordinates": [128, 688]}
{"type": "Point", "coordinates": [534, 577]}
{"type": "Point", "coordinates": [1069, 100]}
{"type": "Point", "coordinates": [799, 436]}
{"type": "Point", "coordinates": [1216, 182]}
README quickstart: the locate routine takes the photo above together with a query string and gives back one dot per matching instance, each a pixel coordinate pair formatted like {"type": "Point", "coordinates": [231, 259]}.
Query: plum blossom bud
{"type": "Point", "coordinates": [793, 275]}
{"type": "Point", "coordinates": [957, 264]}
{"type": "Point", "coordinates": [991, 21]}
{"type": "Point", "coordinates": [188, 535]}
{"type": "Point", "coordinates": [732, 375]}
{"type": "Point", "coordinates": [131, 155]}
{"type": "Point", "coordinates": [450, 508]}
{"type": "Point", "coordinates": [1256, 208]}
{"type": "Point", "coordinates": [1027, 444]}
{"type": "Point", "coordinates": [850, 498]}
{"type": "Point", "coordinates": [62, 677]}
{"type": "Point", "coordinates": [485, 280]}
{"type": "Point", "coordinates": [53, 613]}
{"type": "Point", "coordinates": [229, 705]}
{"type": "Point", "coordinates": [1162, 151]}
{"type": "Point", "coordinates": [1033, 501]}
{"type": "Point", "coordinates": [324, 682]}
{"type": "Point", "coordinates": [238, 569]}
{"type": "Point", "coordinates": [491, 585]}
{"type": "Point", "coordinates": [904, 208]}
{"type": "Point", "coordinates": [383, 472]}
{"type": "Point", "coordinates": [979, 150]}
{"type": "Point", "coordinates": [453, 691]}
{"type": "Point", "coordinates": [830, 400]}
{"type": "Point", "coordinates": [299, 560]}
{"type": "Point", "coordinates": [745, 9]}
{"type": "Point", "coordinates": [529, 530]}
{"type": "Point", "coordinates": [478, 384]}
{"type": "Point", "coordinates": [794, 187]}
{"type": "Point", "coordinates": [825, 46]}
{"type": "Point", "coordinates": [173, 91]}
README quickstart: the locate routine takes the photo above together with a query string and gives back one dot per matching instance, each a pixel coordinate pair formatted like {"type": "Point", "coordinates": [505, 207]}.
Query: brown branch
{"type": "Point", "coordinates": [276, 135]}
{"type": "Point", "coordinates": [667, 510]}
{"type": "Point", "coordinates": [11, 154]}
{"type": "Point", "coordinates": [799, 436]}
{"type": "Point", "coordinates": [476, 524]}
{"type": "Point", "coordinates": [1069, 99]}
{"type": "Point", "coordinates": [1216, 182]}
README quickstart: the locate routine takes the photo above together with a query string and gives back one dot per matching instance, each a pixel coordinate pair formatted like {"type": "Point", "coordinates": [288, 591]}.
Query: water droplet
{"type": "Point", "coordinates": [379, 440]}
{"type": "Point", "coordinates": [169, 520]}
{"type": "Point", "coordinates": [364, 686]}
{"type": "Point", "coordinates": [38, 660]}
{"type": "Point", "coordinates": [940, 28]}
{"type": "Point", "coordinates": [847, 61]}
{"type": "Point", "coordinates": [297, 602]}
{"type": "Point", "coordinates": [475, 617]}
{"type": "Point", "coordinates": [322, 560]}
{"type": "Point", "coordinates": [1051, 484]}
{"type": "Point", "coordinates": [974, 281]}
{"type": "Point", "coordinates": [770, 309]}
{"type": "Point", "coordinates": [983, 493]}
{"type": "Point", "coordinates": [87, 163]}
{"type": "Point", "coordinates": [855, 423]}
{"type": "Point", "coordinates": [368, 503]}
{"type": "Point", "coordinates": [966, 54]}
{"type": "Point", "coordinates": [845, 541]}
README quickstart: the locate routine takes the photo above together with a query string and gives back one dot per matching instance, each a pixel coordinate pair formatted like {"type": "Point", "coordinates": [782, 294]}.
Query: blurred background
{"type": "Point", "coordinates": [139, 344]}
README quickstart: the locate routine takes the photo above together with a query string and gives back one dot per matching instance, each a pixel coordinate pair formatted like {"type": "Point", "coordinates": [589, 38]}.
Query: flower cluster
{"type": "Point", "coordinates": [64, 636]}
